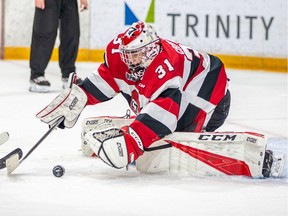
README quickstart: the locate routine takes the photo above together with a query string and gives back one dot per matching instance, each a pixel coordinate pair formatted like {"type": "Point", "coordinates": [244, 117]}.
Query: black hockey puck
{"type": "Point", "coordinates": [58, 171]}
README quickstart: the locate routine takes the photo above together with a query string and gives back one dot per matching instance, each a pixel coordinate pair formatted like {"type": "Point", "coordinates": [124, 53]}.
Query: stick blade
{"type": "Point", "coordinates": [12, 163]}
{"type": "Point", "coordinates": [3, 160]}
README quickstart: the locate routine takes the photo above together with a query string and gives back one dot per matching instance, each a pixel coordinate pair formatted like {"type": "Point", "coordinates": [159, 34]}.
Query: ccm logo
{"type": "Point", "coordinates": [217, 137]}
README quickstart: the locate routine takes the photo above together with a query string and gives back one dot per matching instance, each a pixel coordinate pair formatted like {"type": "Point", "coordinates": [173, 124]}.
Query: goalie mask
{"type": "Point", "coordinates": [139, 46]}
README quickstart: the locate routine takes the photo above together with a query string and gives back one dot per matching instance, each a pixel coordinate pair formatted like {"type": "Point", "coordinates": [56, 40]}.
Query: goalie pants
{"type": "Point", "coordinates": [62, 13]}
{"type": "Point", "coordinates": [220, 113]}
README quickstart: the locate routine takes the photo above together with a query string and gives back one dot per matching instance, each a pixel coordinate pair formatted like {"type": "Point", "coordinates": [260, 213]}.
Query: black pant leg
{"type": "Point", "coordinates": [69, 37]}
{"type": "Point", "coordinates": [220, 113]}
{"type": "Point", "coordinates": [44, 34]}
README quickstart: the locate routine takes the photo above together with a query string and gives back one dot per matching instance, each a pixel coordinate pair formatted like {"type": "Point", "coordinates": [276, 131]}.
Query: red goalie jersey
{"type": "Point", "coordinates": [179, 90]}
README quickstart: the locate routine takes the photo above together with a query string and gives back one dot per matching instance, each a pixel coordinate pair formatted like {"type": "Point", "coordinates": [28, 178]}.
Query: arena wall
{"type": "Point", "coordinates": [248, 34]}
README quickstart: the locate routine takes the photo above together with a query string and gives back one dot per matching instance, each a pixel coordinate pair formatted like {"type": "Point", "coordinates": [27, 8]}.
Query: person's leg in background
{"type": "Point", "coordinates": [43, 40]}
{"type": "Point", "coordinates": [69, 37]}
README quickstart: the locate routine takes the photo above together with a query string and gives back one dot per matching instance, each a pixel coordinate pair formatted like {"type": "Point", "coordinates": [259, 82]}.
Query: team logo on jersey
{"type": "Point", "coordinates": [130, 16]}
{"type": "Point", "coordinates": [135, 104]}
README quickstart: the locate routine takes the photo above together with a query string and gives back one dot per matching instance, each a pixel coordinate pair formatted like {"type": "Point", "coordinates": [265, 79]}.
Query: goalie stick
{"type": "Point", "coordinates": [4, 136]}
{"type": "Point", "coordinates": [13, 161]}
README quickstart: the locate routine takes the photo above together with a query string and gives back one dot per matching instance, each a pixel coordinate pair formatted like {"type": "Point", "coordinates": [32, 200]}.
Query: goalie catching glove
{"type": "Point", "coordinates": [116, 147]}
{"type": "Point", "coordinates": [69, 103]}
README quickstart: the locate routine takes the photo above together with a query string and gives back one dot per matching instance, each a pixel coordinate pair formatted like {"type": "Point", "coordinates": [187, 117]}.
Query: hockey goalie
{"type": "Point", "coordinates": [179, 96]}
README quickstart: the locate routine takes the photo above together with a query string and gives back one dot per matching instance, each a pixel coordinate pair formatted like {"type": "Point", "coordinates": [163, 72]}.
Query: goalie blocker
{"type": "Point", "coordinates": [196, 154]}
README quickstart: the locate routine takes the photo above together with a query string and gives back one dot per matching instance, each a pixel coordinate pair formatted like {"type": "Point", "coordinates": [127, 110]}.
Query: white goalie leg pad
{"type": "Point", "coordinates": [157, 161]}
{"type": "Point", "coordinates": [212, 154]}
{"type": "Point", "coordinates": [99, 123]}
{"type": "Point", "coordinates": [110, 147]}
{"type": "Point", "coordinates": [69, 104]}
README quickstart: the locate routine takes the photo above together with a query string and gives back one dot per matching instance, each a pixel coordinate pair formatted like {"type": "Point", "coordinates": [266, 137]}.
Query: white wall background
{"type": "Point", "coordinates": [19, 21]}
{"type": "Point", "coordinates": [248, 27]}
{"type": "Point", "coordinates": [1, 26]}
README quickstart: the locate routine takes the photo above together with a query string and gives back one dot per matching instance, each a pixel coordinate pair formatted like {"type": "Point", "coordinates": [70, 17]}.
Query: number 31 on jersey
{"type": "Point", "coordinates": [161, 71]}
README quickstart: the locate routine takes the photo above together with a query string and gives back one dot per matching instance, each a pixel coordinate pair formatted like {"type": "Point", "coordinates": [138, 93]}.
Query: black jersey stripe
{"type": "Point", "coordinates": [172, 93]}
{"type": "Point", "coordinates": [93, 90]}
{"type": "Point", "coordinates": [210, 81]}
{"type": "Point", "coordinates": [160, 129]}
{"type": "Point", "coordinates": [126, 96]}
{"type": "Point", "coordinates": [194, 65]}
{"type": "Point", "coordinates": [188, 117]}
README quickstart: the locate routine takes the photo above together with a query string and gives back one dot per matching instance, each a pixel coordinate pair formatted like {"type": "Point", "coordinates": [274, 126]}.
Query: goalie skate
{"type": "Point", "coordinates": [273, 165]}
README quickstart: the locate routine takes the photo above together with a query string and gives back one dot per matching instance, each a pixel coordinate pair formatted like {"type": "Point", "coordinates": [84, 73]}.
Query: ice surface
{"type": "Point", "coordinates": [89, 187]}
